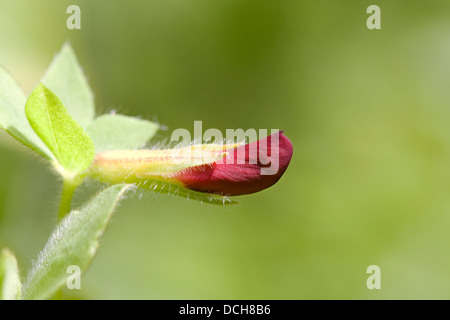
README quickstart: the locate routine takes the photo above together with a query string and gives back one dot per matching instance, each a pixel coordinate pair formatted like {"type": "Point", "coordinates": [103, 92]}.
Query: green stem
{"type": "Point", "coordinates": [69, 186]}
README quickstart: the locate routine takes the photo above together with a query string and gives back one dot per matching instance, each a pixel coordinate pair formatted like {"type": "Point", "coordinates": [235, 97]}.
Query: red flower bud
{"type": "Point", "coordinates": [246, 169]}
{"type": "Point", "coordinates": [233, 169]}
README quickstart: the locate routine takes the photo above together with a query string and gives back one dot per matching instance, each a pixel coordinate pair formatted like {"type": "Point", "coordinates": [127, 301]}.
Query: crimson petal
{"type": "Point", "coordinates": [245, 170]}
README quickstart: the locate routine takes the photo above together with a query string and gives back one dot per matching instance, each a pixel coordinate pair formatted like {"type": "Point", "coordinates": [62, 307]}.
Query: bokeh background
{"type": "Point", "coordinates": [368, 113]}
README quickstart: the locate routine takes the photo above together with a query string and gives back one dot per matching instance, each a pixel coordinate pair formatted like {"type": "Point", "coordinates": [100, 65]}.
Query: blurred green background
{"type": "Point", "coordinates": [368, 112]}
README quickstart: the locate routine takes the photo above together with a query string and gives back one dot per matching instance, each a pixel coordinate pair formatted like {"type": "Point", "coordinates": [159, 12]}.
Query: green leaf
{"type": "Point", "coordinates": [66, 79]}
{"type": "Point", "coordinates": [9, 276]}
{"type": "Point", "coordinates": [12, 115]}
{"type": "Point", "coordinates": [118, 132]}
{"type": "Point", "coordinates": [71, 145]}
{"type": "Point", "coordinates": [74, 242]}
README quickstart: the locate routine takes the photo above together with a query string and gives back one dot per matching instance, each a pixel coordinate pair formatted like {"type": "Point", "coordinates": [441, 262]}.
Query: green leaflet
{"type": "Point", "coordinates": [9, 276]}
{"type": "Point", "coordinates": [71, 145]}
{"type": "Point", "coordinates": [118, 132]}
{"type": "Point", "coordinates": [66, 79]}
{"type": "Point", "coordinates": [74, 242]}
{"type": "Point", "coordinates": [12, 115]}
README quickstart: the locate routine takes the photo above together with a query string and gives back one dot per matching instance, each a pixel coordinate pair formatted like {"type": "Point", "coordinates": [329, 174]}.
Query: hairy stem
{"type": "Point", "coordinates": [69, 186]}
